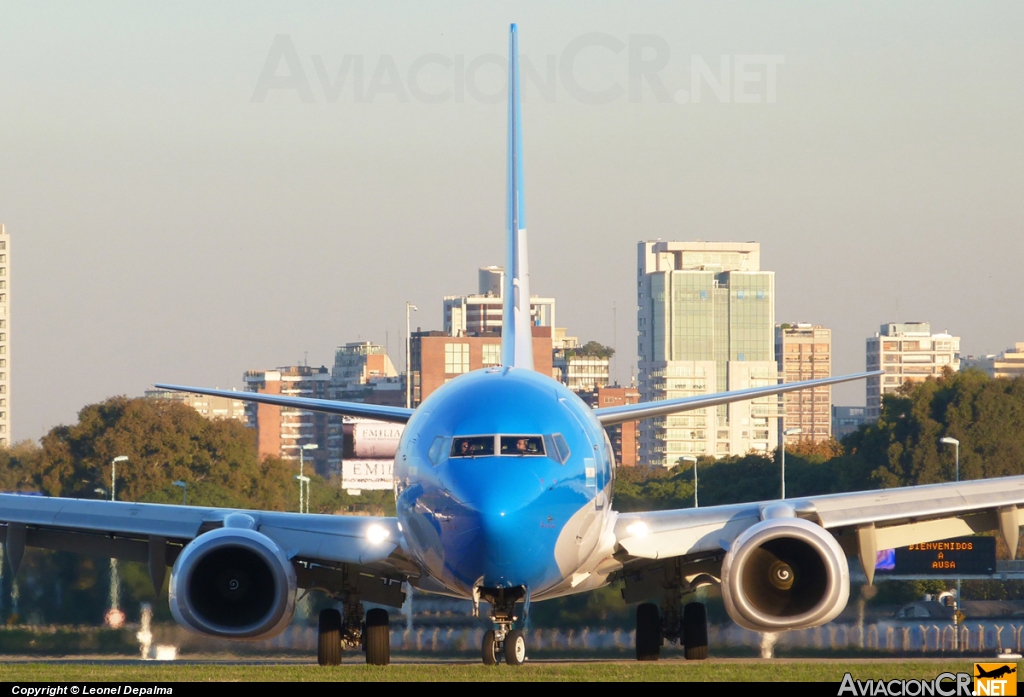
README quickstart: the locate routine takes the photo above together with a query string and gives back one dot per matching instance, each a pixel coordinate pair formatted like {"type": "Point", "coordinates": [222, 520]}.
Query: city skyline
{"type": "Point", "coordinates": [163, 216]}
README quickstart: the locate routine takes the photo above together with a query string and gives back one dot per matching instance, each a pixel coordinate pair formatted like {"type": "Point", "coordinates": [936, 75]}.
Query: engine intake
{"type": "Point", "coordinates": [235, 583]}
{"type": "Point", "coordinates": [785, 573]}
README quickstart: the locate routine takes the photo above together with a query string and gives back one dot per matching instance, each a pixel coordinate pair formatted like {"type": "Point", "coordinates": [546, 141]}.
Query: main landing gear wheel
{"type": "Point", "coordinates": [378, 637]}
{"type": "Point", "coordinates": [695, 631]}
{"type": "Point", "coordinates": [489, 648]}
{"type": "Point", "coordinates": [515, 648]}
{"type": "Point", "coordinates": [328, 641]}
{"type": "Point", "coordinates": [648, 633]}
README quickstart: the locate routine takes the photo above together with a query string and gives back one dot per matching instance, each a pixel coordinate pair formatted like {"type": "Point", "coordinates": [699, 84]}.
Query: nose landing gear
{"type": "Point", "coordinates": [491, 648]}
{"type": "Point", "coordinates": [503, 641]}
{"type": "Point", "coordinates": [515, 648]}
{"type": "Point", "coordinates": [512, 646]}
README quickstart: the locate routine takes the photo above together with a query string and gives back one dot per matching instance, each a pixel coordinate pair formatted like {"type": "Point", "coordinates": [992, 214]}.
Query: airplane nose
{"type": "Point", "coordinates": [512, 551]}
{"type": "Point", "coordinates": [501, 504]}
{"type": "Point", "coordinates": [497, 487]}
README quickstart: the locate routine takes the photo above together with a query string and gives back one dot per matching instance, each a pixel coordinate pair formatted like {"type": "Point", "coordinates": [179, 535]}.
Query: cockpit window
{"type": "Point", "coordinates": [472, 446]}
{"type": "Point", "coordinates": [559, 449]}
{"type": "Point", "coordinates": [481, 446]}
{"type": "Point", "coordinates": [522, 445]}
{"type": "Point", "coordinates": [436, 450]}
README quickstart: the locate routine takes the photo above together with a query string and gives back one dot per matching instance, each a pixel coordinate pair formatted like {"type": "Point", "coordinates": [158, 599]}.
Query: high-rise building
{"type": "Point", "coordinates": [361, 363]}
{"type": "Point", "coordinates": [474, 315]}
{"type": "Point", "coordinates": [624, 436]}
{"type": "Point", "coordinates": [581, 368]}
{"type": "Point", "coordinates": [1008, 364]}
{"type": "Point", "coordinates": [5, 340]}
{"type": "Point", "coordinates": [437, 357]}
{"type": "Point", "coordinates": [706, 323]}
{"type": "Point", "coordinates": [282, 431]}
{"type": "Point", "coordinates": [804, 352]}
{"type": "Point", "coordinates": [363, 372]}
{"type": "Point", "coordinates": [907, 352]}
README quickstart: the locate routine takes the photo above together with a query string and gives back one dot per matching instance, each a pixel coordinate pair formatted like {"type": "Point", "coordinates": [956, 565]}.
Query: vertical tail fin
{"type": "Point", "coordinates": [516, 332]}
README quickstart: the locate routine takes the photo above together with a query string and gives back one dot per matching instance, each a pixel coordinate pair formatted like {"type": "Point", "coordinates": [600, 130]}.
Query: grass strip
{"type": "Point", "coordinates": [582, 671]}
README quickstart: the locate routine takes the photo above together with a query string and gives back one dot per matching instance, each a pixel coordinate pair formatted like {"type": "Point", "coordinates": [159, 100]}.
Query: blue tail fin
{"type": "Point", "coordinates": [516, 332]}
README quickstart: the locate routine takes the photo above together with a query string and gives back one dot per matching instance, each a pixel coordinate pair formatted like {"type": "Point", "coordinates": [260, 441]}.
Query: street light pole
{"type": "Point", "coordinates": [787, 432]}
{"type": "Point", "coordinates": [956, 606]}
{"type": "Point", "coordinates": [184, 491]}
{"type": "Point", "coordinates": [409, 307]}
{"type": "Point", "coordinates": [113, 475]}
{"type": "Point", "coordinates": [304, 480]}
{"type": "Point", "coordinates": [114, 616]}
{"type": "Point", "coordinates": [956, 444]}
{"type": "Point", "coordinates": [693, 459]}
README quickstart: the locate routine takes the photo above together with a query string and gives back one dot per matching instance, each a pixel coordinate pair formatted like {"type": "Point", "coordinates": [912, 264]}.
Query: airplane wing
{"type": "Point", "coordinates": [609, 416]}
{"type": "Point", "coordinates": [325, 547]}
{"type": "Point", "coordinates": [861, 522]}
{"type": "Point", "coordinates": [329, 406]}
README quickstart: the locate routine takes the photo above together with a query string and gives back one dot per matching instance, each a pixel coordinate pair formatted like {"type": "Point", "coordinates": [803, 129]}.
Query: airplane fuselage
{"type": "Point", "coordinates": [503, 478]}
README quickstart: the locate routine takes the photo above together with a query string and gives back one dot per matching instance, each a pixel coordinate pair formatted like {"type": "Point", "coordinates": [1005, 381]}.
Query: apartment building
{"type": "Point", "coordinates": [804, 352]}
{"type": "Point", "coordinates": [907, 352]}
{"type": "Point", "coordinates": [1008, 364]}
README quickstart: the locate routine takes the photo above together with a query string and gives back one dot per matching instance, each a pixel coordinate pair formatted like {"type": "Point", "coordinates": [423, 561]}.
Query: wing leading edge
{"type": "Point", "coordinates": [863, 522]}
{"type": "Point", "coordinates": [609, 416]}
{"type": "Point", "coordinates": [379, 412]}
{"type": "Point", "coordinates": [156, 533]}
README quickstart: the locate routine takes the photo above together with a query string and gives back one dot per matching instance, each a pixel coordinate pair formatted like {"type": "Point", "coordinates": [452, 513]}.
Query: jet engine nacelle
{"type": "Point", "coordinates": [234, 583]}
{"type": "Point", "coordinates": [785, 573]}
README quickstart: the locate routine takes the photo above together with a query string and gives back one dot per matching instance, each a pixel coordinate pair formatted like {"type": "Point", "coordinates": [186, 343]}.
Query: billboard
{"type": "Point", "coordinates": [960, 556]}
{"type": "Point", "coordinates": [367, 474]}
{"type": "Point", "coordinates": [366, 440]}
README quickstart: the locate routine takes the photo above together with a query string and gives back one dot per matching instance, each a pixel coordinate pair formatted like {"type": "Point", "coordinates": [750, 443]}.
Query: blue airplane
{"type": "Point", "coordinates": [503, 486]}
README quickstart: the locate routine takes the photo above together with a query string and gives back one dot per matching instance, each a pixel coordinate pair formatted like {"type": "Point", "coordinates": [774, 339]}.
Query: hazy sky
{"type": "Point", "coordinates": [177, 217]}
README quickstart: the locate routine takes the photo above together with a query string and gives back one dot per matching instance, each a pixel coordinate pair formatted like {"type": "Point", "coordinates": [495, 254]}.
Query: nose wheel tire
{"type": "Point", "coordinates": [378, 637]}
{"type": "Point", "coordinates": [695, 631]}
{"type": "Point", "coordinates": [515, 648]}
{"type": "Point", "coordinates": [648, 632]}
{"type": "Point", "coordinates": [328, 642]}
{"type": "Point", "coordinates": [489, 649]}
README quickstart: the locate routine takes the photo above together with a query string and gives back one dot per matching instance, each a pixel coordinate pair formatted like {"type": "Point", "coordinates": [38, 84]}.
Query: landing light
{"type": "Point", "coordinates": [377, 533]}
{"type": "Point", "coordinates": [638, 529]}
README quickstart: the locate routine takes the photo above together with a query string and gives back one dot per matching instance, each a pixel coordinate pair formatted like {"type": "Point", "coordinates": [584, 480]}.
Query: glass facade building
{"type": "Point", "coordinates": [706, 323]}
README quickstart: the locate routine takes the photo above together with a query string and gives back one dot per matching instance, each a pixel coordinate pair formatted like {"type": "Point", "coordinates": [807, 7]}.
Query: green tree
{"type": "Point", "coordinates": [18, 465]}
{"type": "Point", "coordinates": [593, 348]}
{"type": "Point", "coordinates": [902, 448]}
{"type": "Point", "coordinates": [164, 441]}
